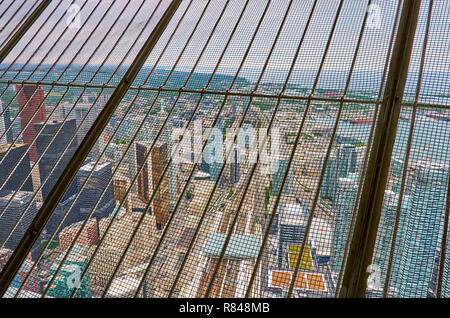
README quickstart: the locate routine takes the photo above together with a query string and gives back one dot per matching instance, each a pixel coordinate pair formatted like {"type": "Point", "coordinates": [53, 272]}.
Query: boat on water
{"type": "Point", "coordinates": [425, 119]}
{"type": "Point", "coordinates": [438, 116]}
{"type": "Point", "coordinates": [405, 117]}
{"type": "Point", "coordinates": [361, 121]}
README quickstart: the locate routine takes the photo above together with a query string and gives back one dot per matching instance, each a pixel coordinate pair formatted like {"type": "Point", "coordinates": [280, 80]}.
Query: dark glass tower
{"type": "Point", "coordinates": [54, 151]}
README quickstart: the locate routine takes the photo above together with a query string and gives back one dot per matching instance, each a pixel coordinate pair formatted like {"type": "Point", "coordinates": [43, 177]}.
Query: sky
{"type": "Point", "coordinates": [55, 43]}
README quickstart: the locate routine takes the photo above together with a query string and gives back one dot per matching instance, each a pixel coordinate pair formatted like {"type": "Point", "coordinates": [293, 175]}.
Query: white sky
{"type": "Point", "coordinates": [371, 56]}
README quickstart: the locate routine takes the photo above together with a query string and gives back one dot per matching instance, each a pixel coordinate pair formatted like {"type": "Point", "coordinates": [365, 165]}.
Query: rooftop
{"type": "Point", "coordinates": [240, 246]}
{"type": "Point", "coordinates": [5, 147]}
{"type": "Point", "coordinates": [308, 281]}
{"type": "Point", "coordinates": [293, 214]}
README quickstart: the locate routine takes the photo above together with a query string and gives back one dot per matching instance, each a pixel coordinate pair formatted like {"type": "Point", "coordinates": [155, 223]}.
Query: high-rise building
{"type": "Point", "coordinates": [421, 231]}
{"type": "Point", "coordinates": [48, 162]}
{"type": "Point", "coordinates": [11, 214]}
{"type": "Point", "coordinates": [6, 123]}
{"type": "Point", "coordinates": [215, 165]}
{"type": "Point", "coordinates": [205, 167]}
{"type": "Point", "coordinates": [88, 236]}
{"type": "Point", "coordinates": [343, 209]}
{"type": "Point", "coordinates": [329, 184]}
{"type": "Point", "coordinates": [235, 166]}
{"type": "Point", "coordinates": [87, 109]}
{"type": "Point", "coordinates": [70, 212]}
{"type": "Point", "coordinates": [384, 242]}
{"type": "Point", "coordinates": [446, 276]}
{"type": "Point", "coordinates": [143, 180]}
{"type": "Point", "coordinates": [339, 166]}
{"type": "Point", "coordinates": [132, 166]}
{"type": "Point", "coordinates": [385, 232]}
{"type": "Point", "coordinates": [166, 137]}
{"type": "Point", "coordinates": [66, 281]}
{"type": "Point", "coordinates": [347, 157]}
{"type": "Point", "coordinates": [8, 161]}
{"type": "Point", "coordinates": [292, 225]}
{"type": "Point", "coordinates": [3, 139]}
{"type": "Point", "coordinates": [211, 161]}
{"type": "Point", "coordinates": [215, 168]}
{"type": "Point", "coordinates": [54, 151]}
{"type": "Point", "coordinates": [161, 198]}
{"type": "Point", "coordinates": [120, 187]}
{"type": "Point", "coordinates": [278, 176]}
{"type": "Point", "coordinates": [78, 211]}
{"type": "Point", "coordinates": [32, 110]}
{"type": "Point", "coordinates": [93, 188]}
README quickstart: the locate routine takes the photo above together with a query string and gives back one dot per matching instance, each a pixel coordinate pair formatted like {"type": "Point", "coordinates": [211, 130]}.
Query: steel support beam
{"type": "Point", "coordinates": [45, 212]}
{"type": "Point", "coordinates": [363, 240]}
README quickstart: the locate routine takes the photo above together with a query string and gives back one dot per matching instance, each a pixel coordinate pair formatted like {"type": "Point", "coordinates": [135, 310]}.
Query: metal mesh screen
{"type": "Point", "coordinates": [234, 161]}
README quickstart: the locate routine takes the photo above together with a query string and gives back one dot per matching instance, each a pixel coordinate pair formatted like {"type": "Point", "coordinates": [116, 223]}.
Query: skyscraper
{"type": "Point", "coordinates": [215, 168]}
{"type": "Point", "coordinates": [205, 166]}
{"type": "Point", "coordinates": [65, 282]}
{"type": "Point", "coordinates": [85, 110]}
{"type": "Point", "coordinates": [291, 230]}
{"type": "Point", "coordinates": [235, 163]}
{"type": "Point", "coordinates": [7, 123]}
{"type": "Point", "coordinates": [143, 178]}
{"type": "Point", "coordinates": [161, 198]}
{"type": "Point", "coordinates": [8, 162]}
{"type": "Point", "coordinates": [166, 137]}
{"type": "Point", "coordinates": [212, 156]}
{"type": "Point", "coordinates": [278, 178]}
{"type": "Point", "coordinates": [93, 188]}
{"type": "Point", "coordinates": [31, 101]}
{"type": "Point", "coordinates": [54, 151]}
{"type": "Point", "coordinates": [3, 138]}
{"type": "Point", "coordinates": [385, 231]}
{"type": "Point", "coordinates": [384, 241]}
{"type": "Point", "coordinates": [421, 230]}
{"type": "Point", "coordinates": [339, 166]}
{"type": "Point", "coordinates": [446, 276]}
{"type": "Point", "coordinates": [11, 215]}
{"type": "Point", "coordinates": [343, 209]}
{"type": "Point", "coordinates": [71, 214]}
{"type": "Point", "coordinates": [347, 157]}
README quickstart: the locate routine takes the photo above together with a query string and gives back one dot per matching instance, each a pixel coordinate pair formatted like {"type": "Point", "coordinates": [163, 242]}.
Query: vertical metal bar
{"type": "Point", "coordinates": [23, 29]}
{"type": "Point", "coordinates": [408, 151]}
{"type": "Point", "coordinates": [363, 242]}
{"type": "Point", "coordinates": [83, 150]}
{"type": "Point", "coordinates": [369, 143]}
